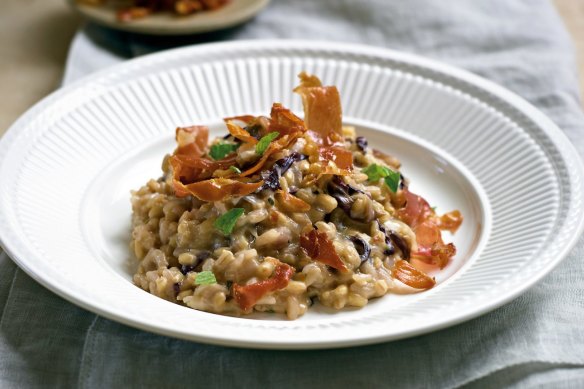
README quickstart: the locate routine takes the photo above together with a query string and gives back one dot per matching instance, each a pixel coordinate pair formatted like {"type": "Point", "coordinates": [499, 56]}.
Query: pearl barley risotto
{"type": "Point", "coordinates": [282, 212]}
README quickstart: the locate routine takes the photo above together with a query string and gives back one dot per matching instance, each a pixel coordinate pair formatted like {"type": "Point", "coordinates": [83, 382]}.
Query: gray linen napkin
{"type": "Point", "coordinates": [534, 341]}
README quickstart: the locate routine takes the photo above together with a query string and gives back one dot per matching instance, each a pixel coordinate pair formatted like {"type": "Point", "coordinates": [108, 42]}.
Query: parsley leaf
{"type": "Point", "coordinates": [392, 180]}
{"type": "Point", "coordinates": [376, 172]}
{"type": "Point", "coordinates": [263, 143]}
{"type": "Point", "coordinates": [205, 278]}
{"type": "Point", "coordinates": [235, 169]}
{"type": "Point", "coordinates": [221, 150]}
{"type": "Point", "coordinates": [226, 222]}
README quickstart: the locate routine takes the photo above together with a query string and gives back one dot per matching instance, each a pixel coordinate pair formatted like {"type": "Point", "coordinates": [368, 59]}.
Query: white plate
{"type": "Point", "coordinates": [165, 23]}
{"type": "Point", "coordinates": [67, 165]}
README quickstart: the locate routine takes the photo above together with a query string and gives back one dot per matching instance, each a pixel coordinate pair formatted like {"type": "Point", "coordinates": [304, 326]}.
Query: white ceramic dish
{"type": "Point", "coordinates": [164, 23]}
{"type": "Point", "coordinates": [66, 168]}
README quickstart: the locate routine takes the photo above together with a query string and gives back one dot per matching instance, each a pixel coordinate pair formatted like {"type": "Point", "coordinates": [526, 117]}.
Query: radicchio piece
{"type": "Point", "coordinates": [353, 190]}
{"type": "Point", "coordinates": [401, 244]}
{"type": "Point", "coordinates": [272, 176]}
{"type": "Point", "coordinates": [361, 143]}
{"type": "Point", "coordinates": [176, 288]}
{"type": "Point", "coordinates": [254, 130]}
{"type": "Point", "coordinates": [389, 249]}
{"type": "Point", "coordinates": [338, 189]}
{"type": "Point", "coordinates": [200, 257]}
{"type": "Point", "coordinates": [184, 269]}
{"type": "Point", "coordinates": [362, 247]}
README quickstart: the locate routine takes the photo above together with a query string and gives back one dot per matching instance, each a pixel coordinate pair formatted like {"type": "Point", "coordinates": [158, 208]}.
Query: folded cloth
{"type": "Point", "coordinates": [536, 340]}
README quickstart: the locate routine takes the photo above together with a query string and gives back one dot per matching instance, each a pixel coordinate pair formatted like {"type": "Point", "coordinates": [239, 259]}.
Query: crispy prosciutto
{"type": "Point", "coordinates": [284, 122]}
{"type": "Point", "coordinates": [341, 157]}
{"type": "Point", "coordinates": [418, 214]}
{"type": "Point", "coordinates": [318, 246]}
{"type": "Point", "coordinates": [322, 106]}
{"type": "Point", "coordinates": [450, 221]}
{"type": "Point", "coordinates": [188, 169]}
{"type": "Point", "coordinates": [247, 119]}
{"type": "Point", "coordinates": [274, 147]}
{"type": "Point", "coordinates": [192, 141]}
{"type": "Point", "coordinates": [411, 276]}
{"type": "Point", "coordinates": [323, 119]}
{"type": "Point", "coordinates": [291, 203]}
{"type": "Point", "coordinates": [416, 210]}
{"type": "Point", "coordinates": [216, 189]}
{"type": "Point", "coordinates": [240, 133]}
{"type": "Point", "coordinates": [246, 296]}
{"type": "Point", "coordinates": [431, 248]}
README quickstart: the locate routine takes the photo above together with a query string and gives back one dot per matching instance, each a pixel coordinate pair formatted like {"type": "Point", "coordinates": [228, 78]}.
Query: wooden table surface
{"type": "Point", "coordinates": [572, 11]}
{"type": "Point", "coordinates": [35, 36]}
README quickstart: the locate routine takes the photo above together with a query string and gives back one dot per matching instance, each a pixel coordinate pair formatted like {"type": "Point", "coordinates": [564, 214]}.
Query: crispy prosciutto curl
{"type": "Point", "coordinates": [281, 120]}
{"type": "Point", "coordinates": [323, 118]}
{"type": "Point", "coordinates": [450, 221]}
{"type": "Point", "coordinates": [418, 214]}
{"type": "Point", "coordinates": [342, 157]}
{"type": "Point", "coordinates": [191, 171]}
{"type": "Point", "coordinates": [322, 106]}
{"type": "Point", "coordinates": [188, 169]}
{"type": "Point", "coordinates": [291, 203]}
{"type": "Point", "coordinates": [411, 276]}
{"type": "Point", "coordinates": [284, 122]}
{"type": "Point", "coordinates": [247, 296]}
{"type": "Point", "coordinates": [216, 189]}
{"type": "Point", "coordinates": [318, 246]}
{"type": "Point", "coordinates": [240, 133]}
{"type": "Point", "coordinates": [278, 145]}
{"type": "Point", "coordinates": [431, 248]}
{"type": "Point", "coordinates": [416, 210]}
{"type": "Point", "coordinates": [192, 140]}
{"type": "Point", "coordinates": [247, 119]}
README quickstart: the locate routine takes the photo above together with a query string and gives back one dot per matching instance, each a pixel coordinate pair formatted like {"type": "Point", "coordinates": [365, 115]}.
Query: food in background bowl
{"type": "Point", "coordinates": [281, 212]}
{"type": "Point", "coordinates": [137, 9]}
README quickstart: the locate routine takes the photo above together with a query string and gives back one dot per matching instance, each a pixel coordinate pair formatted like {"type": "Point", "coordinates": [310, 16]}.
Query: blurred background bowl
{"type": "Point", "coordinates": [166, 23]}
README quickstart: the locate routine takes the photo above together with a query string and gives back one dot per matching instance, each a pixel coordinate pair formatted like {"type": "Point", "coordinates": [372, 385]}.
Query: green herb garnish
{"type": "Point", "coordinates": [221, 150]}
{"type": "Point", "coordinates": [205, 278]}
{"type": "Point", "coordinates": [226, 222]}
{"type": "Point", "coordinates": [263, 143]}
{"type": "Point", "coordinates": [235, 169]}
{"type": "Point", "coordinates": [392, 180]}
{"type": "Point", "coordinates": [376, 172]}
